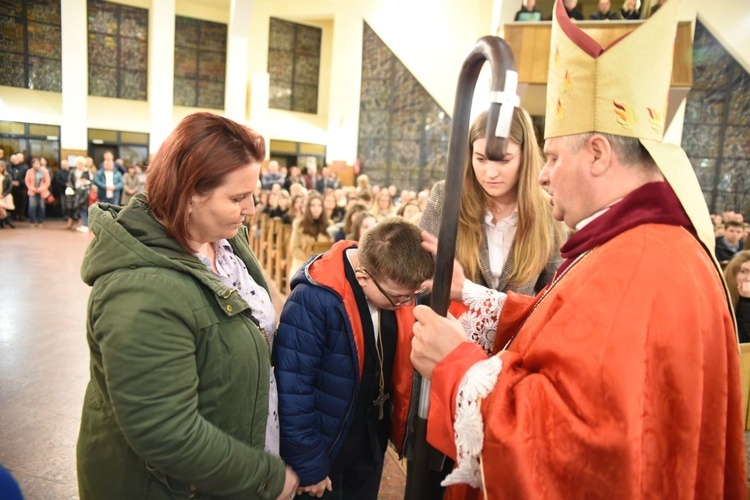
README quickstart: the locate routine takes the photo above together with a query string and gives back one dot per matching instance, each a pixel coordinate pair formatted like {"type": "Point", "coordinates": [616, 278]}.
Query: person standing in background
{"type": "Point", "coordinates": [528, 12]}
{"type": "Point", "coordinates": [570, 9]}
{"type": "Point", "coordinates": [38, 185]}
{"type": "Point", "coordinates": [130, 185]}
{"type": "Point", "coordinates": [273, 176]}
{"type": "Point", "coordinates": [6, 198]}
{"type": "Point", "coordinates": [108, 182]}
{"type": "Point", "coordinates": [79, 181]}
{"type": "Point", "coordinates": [629, 10]}
{"type": "Point", "coordinates": [18, 170]}
{"type": "Point", "coordinates": [59, 184]}
{"type": "Point", "coordinates": [605, 12]}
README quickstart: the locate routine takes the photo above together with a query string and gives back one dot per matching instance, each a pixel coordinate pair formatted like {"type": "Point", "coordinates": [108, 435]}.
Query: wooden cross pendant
{"type": "Point", "coordinates": [382, 398]}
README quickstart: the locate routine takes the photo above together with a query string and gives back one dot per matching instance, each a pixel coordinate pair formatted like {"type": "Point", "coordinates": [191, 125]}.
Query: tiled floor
{"type": "Point", "coordinates": [44, 360]}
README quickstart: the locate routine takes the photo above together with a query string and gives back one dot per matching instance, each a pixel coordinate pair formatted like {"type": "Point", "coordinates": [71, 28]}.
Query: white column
{"type": "Point", "coordinates": [259, 85]}
{"type": "Point", "coordinates": [75, 86]}
{"type": "Point", "coordinates": [238, 47]}
{"type": "Point", "coordinates": [343, 109]}
{"type": "Point", "coordinates": [160, 70]}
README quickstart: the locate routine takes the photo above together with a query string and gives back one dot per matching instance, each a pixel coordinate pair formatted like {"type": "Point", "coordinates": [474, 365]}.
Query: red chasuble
{"type": "Point", "coordinates": [623, 382]}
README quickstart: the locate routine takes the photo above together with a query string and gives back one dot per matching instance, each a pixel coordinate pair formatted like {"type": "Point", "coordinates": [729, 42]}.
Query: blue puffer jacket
{"type": "Point", "coordinates": [317, 365]}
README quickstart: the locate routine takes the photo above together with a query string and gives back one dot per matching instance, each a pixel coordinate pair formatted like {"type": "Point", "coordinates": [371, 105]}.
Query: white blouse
{"type": "Point", "coordinates": [499, 240]}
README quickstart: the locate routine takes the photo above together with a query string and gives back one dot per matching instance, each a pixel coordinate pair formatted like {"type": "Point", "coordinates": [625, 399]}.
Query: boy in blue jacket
{"type": "Point", "coordinates": [342, 359]}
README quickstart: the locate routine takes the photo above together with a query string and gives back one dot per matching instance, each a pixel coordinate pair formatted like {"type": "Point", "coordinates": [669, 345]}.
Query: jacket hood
{"type": "Point", "coordinates": [326, 269]}
{"type": "Point", "coordinates": [130, 237]}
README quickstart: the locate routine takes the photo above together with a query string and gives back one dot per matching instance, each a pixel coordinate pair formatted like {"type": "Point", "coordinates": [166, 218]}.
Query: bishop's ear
{"type": "Point", "coordinates": [601, 153]}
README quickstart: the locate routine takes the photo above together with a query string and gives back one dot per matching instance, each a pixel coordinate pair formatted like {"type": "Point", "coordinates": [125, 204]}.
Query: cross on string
{"type": "Point", "coordinates": [380, 401]}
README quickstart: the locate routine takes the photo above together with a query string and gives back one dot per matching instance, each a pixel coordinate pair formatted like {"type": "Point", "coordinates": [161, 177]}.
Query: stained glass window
{"type": "Point", "coordinates": [30, 43]}
{"type": "Point", "coordinates": [716, 132]}
{"type": "Point", "coordinates": [118, 50]}
{"type": "Point", "coordinates": [293, 66]}
{"type": "Point", "coordinates": [403, 131]}
{"type": "Point", "coordinates": [200, 60]}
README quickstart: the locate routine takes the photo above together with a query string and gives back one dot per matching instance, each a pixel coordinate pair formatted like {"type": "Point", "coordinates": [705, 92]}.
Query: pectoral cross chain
{"type": "Point", "coordinates": [382, 398]}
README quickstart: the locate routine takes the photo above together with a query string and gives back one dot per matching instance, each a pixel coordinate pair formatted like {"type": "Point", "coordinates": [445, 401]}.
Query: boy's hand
{"type": "Point", "coordinates": [317, 490]}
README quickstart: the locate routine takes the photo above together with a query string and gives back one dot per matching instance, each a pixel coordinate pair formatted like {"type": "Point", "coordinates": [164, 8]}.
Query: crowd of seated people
{"type": "Point", "coordinates": [319, 209]}
{"type": "Point", "coordinates": [630, 10]}
{"type": "Point", "coordinates": [731, 231]}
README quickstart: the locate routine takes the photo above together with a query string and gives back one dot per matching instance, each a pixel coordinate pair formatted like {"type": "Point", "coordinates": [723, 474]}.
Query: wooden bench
{"type": "Point", "coordinates": [281, 266]}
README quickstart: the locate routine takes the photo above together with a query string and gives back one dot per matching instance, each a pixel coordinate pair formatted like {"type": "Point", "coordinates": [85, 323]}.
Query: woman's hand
{"type": "Point", "coordinates": [290, 485]}
{"type": "Point", "coordinates": [430, 243]}
{"type": "Point", "coordinates": [317, 490]}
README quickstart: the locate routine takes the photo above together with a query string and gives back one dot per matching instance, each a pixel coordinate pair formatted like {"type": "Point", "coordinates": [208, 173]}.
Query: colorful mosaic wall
{"type": "Point", "coordinates": [293, 66]}
{"type": "Point", "coordinates": [403, 132]}
{"type": "Point", "coordinates": [200, 60]}
{"type": "Point", "coordinates": [716, 134]}
{"type": "Point", "coordinates": [30, 44]}
{"type": "Point", "coordinates": [118, 50]}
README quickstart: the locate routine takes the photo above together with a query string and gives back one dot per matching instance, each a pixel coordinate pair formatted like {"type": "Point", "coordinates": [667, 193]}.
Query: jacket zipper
{"type": "Point", "coordinates": [348, 412]}
{"type": "Point", "coordinates": [356, 392]}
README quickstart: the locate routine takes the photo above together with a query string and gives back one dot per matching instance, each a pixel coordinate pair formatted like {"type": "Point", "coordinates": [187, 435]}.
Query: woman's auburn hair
{"type": "Point", "coordinates": [730, 273]}
{"type": "Point", "coordinates": [537, 233]}
{"type": "Point", "coordinates": [195, 159]}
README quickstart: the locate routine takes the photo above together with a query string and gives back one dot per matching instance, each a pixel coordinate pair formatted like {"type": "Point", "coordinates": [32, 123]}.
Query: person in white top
{"type": "Point", "coordinates": [507, 238]}
{"type": "Point", "coordinates": [109, 182]}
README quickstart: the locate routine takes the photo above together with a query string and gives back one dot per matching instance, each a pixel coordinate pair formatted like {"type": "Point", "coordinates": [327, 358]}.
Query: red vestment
{"type": "Point", "coordinates": [622, 383]}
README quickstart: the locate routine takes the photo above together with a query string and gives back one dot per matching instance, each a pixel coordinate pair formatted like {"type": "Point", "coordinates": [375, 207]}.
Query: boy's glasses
{"type": "Point", "coordinates": [402, 299]}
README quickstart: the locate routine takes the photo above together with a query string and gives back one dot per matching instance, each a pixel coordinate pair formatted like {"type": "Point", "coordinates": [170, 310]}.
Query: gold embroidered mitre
{"type": "Point", "coordinates": [621, 89]}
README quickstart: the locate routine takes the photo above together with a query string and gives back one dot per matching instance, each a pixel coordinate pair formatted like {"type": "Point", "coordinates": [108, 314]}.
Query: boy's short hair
{"type": "Point", "coordinates": [393, 249]}
{"type": "Point", "coordinates": [734, 223]}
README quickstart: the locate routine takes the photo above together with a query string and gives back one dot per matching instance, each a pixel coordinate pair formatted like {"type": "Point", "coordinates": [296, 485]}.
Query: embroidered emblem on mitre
{"type": "Point", "coordinates": [622, 89]}
{"type": "Point", "coordinates": [615, 89]}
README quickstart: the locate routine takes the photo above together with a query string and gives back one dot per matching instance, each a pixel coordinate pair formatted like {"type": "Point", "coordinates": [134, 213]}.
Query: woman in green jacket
{"type": "Point", "coordinates": [182, 401]}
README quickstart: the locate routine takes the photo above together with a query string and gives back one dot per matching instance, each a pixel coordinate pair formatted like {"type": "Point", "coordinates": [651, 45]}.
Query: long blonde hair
{"type": "Point", "coordinates": [537, 233]}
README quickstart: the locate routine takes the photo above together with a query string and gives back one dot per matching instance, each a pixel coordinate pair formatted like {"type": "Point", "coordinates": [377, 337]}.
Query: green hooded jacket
{"type": "Point", "coordinates": [178, 398]}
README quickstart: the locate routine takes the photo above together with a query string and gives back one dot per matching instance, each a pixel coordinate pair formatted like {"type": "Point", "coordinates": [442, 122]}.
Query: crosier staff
{"type": "Point", "coordinates": [503, 98]}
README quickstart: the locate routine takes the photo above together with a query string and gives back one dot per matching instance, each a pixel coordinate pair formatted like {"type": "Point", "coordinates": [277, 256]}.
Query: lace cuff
{"type": "Point", "coordinates": [468, 429]}
{"type": "Point", "coordinates": [480, 321]}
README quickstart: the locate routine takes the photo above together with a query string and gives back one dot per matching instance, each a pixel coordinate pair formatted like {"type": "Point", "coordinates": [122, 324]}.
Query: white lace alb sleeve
{"type": "Point", "coordinates": [480, 321]}
{"type": "Point", "coordinates": [468, 429]}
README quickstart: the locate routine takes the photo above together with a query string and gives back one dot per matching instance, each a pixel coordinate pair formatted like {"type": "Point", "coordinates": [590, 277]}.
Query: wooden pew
{"type": "Point", "coordinates": [265, 226]}
{"type": "Point", "coordinates": [269, 245]}
{"type": "Point", "coordinates": [281, 267]}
